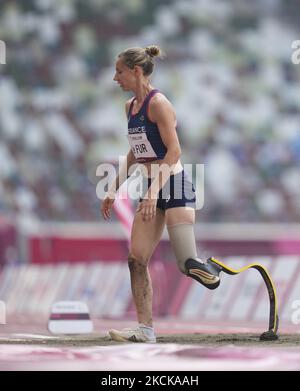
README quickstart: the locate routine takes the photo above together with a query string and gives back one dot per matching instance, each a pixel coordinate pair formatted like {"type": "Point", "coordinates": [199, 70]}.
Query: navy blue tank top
{"type": "Point", "coordinates": [143, 135]}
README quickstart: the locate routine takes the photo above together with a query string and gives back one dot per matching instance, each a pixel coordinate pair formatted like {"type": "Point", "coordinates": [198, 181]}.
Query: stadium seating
{"type": "Point", "coordinates": [235, 91]}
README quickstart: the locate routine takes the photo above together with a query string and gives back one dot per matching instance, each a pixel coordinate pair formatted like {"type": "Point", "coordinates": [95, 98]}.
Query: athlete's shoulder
{"type": "Point", "coordinates": [160, 105]}
{"type": "Point", "coordinates": [159, 98]}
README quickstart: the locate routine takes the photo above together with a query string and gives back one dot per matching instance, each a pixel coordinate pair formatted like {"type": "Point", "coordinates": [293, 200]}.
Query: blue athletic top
{"type": "Point", "coordinates": [143, 135]}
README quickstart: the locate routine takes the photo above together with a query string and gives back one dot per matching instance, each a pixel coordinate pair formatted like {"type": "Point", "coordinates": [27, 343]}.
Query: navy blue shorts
{"type": "Point", "coordinates": [177, 192]}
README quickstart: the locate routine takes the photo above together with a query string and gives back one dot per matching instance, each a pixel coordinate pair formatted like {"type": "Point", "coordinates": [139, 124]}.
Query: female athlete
{"type": "Point", "coordinates": [169, 198]}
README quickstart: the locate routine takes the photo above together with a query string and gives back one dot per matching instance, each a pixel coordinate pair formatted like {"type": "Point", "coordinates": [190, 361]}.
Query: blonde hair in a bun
{"type": "Point", "coordinates": [143, 57]}
{"type": "Point", "coordinates": [153, 50]}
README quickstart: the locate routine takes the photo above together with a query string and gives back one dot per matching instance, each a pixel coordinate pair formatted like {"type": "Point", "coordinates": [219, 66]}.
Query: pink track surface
{"type": "Point", "coordinates": [141, 357]}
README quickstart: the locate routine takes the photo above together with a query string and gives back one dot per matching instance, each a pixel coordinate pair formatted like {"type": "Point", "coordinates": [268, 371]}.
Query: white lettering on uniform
{"type": "Point", "coordinates": [138, 129]}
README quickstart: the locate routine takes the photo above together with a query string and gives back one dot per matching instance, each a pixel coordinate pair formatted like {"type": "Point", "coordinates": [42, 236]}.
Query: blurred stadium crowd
{"type": "Point", "coordinates": [228, 72]}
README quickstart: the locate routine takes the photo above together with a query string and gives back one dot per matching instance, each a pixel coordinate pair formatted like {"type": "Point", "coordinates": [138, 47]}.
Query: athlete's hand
{"type": "Point", "coordinates": [106, 206]}
{"type": "Point", "coordinates": [147, 207]}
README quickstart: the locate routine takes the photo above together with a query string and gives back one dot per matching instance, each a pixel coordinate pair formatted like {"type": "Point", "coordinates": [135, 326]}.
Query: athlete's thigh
{"type": "Point", "coordinates": [180, 215]}
{"type": "Point", "coordinates": [145, 235]}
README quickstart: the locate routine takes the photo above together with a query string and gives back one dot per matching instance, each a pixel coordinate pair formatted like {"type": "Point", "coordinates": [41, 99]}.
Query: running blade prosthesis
{"type": "Point", "coordinates": [271, 334]}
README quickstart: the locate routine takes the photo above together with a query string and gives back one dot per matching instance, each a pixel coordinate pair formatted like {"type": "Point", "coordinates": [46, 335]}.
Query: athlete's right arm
{"type": "Point", "coordinates": [123, 174]}
{"type": "Point", "coordinates": [120, 178]}
{"type": "Point", "coordinates": [109, 198]}
{"type": "Point", "coordinates": [124, 169]}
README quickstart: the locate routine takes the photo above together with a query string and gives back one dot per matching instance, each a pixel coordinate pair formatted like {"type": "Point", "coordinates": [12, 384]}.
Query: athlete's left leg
{"type": "Point", "coordinates": [180, 225]}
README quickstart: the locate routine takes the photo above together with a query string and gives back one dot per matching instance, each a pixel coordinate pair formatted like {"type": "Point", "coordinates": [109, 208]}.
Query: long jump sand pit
{"type": "Point", "coordinates": [216, 340]}
{"type": "Point", "coordinates": [181, 346]}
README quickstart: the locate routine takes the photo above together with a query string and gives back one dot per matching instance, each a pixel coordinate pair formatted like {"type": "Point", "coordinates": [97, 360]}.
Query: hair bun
{"type": "Point", "coordinates": [153, 50]}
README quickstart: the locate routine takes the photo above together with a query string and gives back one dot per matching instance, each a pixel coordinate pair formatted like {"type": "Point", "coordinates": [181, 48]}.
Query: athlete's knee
{"type": "Point", "coordinates": [137, 262]}
{"type": "Point", "coordinates": [183, 243]}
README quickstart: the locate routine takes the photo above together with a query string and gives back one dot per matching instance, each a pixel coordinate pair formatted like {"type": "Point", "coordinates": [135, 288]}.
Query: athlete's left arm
{"type": "Point", "coordinates": [162, 113]}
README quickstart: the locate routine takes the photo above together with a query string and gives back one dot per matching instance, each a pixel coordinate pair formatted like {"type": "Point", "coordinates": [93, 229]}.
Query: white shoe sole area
{"type": "Point", "coordinates": [118, 338]}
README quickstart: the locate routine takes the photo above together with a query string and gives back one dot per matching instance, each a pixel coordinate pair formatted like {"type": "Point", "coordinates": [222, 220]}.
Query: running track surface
{"type": "Point", "coordinates": [182, 346]}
